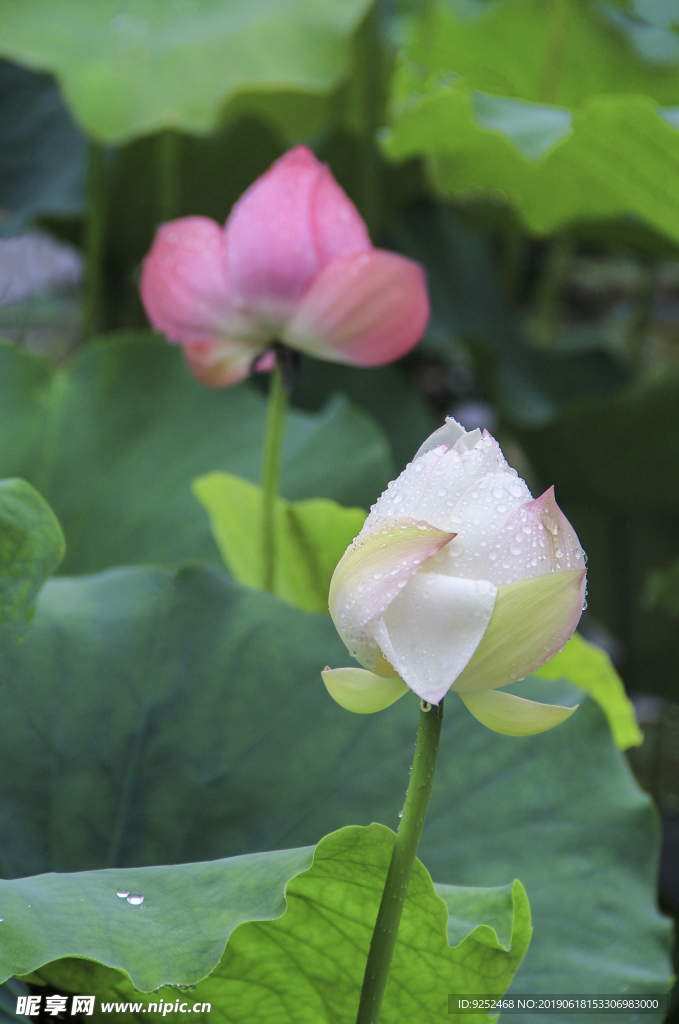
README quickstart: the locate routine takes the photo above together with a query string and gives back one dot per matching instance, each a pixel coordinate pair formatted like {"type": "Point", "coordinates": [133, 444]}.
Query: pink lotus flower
{"type": "Point", "coordinates": [293, 264]}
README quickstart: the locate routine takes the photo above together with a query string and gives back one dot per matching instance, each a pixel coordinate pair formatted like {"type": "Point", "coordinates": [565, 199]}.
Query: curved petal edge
{"type": "Point", "coordinates": [531, 621]}
{"type": "Point", "coordinates": [360, 691]}
{"type": "Point", "coordinates": [371, 573]}
{"type": "Point", "coordinates": [366, 309]}
{"type": "Point", "coordinates": [514, 716]}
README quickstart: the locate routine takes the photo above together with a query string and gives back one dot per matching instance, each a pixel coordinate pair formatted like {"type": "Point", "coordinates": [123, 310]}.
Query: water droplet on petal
{"type": "Point", "coordinates": [502, 508]}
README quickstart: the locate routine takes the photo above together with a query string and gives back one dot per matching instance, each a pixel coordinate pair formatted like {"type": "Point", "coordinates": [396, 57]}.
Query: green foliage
{"type": "Point", "coordinates": [152, 65]}
{"type": "Point", "coordinates": [561, 52]}
{"type": "Point", "coordinates": [662, 590]}
{"type": "Point", "coordinates": [42, 162]}
{"type": "Point", "coordinates": [590, 668]}
{"type": "Point", "coordinates": [600, 452]}
{"type": "Point", "coordinates": [114, 440]}
{"type": "Point", "coordinates": [470, 308]}
{"type": "Point", "coordinates": [571, 129]}
{"type": "Point", "coordinates": [31, 547]}
{"type": "Point", "coordinates": [302, 941]}
{"type": "Point", "coordinates": [310, 538]}
{"type": "Point", "coordinates": [156, 717]}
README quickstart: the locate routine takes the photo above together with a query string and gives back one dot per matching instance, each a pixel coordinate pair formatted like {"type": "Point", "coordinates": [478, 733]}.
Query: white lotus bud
{"type": "Point", "coordinates": [458, 580]}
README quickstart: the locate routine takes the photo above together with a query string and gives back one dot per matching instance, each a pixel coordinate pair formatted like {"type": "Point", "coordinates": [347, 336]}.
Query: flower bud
{"type": "Point", "coordinates": [458, 580]}
{"type": "Point", "coordinates": [293, 264]}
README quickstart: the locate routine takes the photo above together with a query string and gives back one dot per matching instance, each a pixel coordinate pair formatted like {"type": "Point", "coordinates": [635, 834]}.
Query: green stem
{"type": "Point", "coordinates": [95, 224]}
{"type": "Point", "coordinates": [271, 473]}
{"type": "Point", "coordinates": [167, 155]}
{"type": "Point", "coordinates": [369, 80]}
{"type": "Point", "coordinates": [401, 866]}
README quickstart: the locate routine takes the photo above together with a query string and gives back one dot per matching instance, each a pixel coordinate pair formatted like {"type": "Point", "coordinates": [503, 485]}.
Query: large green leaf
{"type": "Point", "coordinates": [159, 717]}
{"type": "Point", "coordinates": [114, 441]}
{"type": "Point", "coordinates": [543, 106]}
{"type": "Point", "coordinates": [132, 69]}
{"type": "Point", "coordinates": [278, 965]}
{"type": "Point", "coordinates": [619, 158]}
{"type": "Point", "coordinates": [31, 547]}
{"type": "Point", "coordinates": [42, 161]}
{"type": "Point", "coordinates": [560, 52]}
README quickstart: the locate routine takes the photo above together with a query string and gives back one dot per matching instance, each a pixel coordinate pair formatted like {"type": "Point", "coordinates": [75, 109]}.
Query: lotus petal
{"type": "Point", "coordinates": [431, 630]}
{"type": "Point", "coordinates": [531, 621]}
{"type": "Point", "coordinates": [366, 309]}
{"type": "Point", "coordinates": [512, 715]}
{"type": "Point", "coordinates": [283, 230]}
{"type": "Point", "coordinates": [362, 692]}
{"type": "Point", "coordinates": [371, 573]}
{"type": "Point", "coordinates": [185, 285]}
{"type": "Point", "coordinates": [535, 539]}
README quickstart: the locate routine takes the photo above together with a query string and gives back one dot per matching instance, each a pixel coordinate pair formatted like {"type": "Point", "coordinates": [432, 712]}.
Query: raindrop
{"type": "Point", "coordinates": [502, 508]}
{"type": "Point", "coordinates": [492, 555]}
{"type": "Point", "coordinates": [515, 549]}
{"type": "Point", "coordinates": [400, 814]}
{"type": "Point", "coordinates": [135, 898]}
{"type": "Point", "coordinates": [123, 893]}
{"type": "Point", "coordinates": [442, 493]}
{"type": "Point", "coordinates": [584, 605]}
{"type": "Point", "coordinates": [378, 575]}
{"type": "Point", "coordinates": [559, 553]}
{"type": "Point", "coordinates": [398, 498]}
{"type": "Point", "coordinates": [515, 490]}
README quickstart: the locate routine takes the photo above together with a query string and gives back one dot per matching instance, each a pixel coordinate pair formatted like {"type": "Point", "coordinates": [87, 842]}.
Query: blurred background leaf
{"type": "Point", "coordinates": [130, 70]}
{"type": "Point", "coordinates": [42, 163]}
{"type": "Point", "coordinates": [31, 547]}
{"type": "Point", "coordinates": [115, 440]}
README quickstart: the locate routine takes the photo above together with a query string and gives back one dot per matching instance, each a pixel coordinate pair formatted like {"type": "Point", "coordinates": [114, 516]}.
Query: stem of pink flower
{"type": "Point", "coordinates": [401, 866]}
{"type": "Point", "coordinates": [271, 473]}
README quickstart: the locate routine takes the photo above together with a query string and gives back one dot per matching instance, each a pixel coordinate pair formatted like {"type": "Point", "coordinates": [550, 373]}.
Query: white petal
{"type": "Point", "coordinates": [372, 572]}
{"type": "Point", "coordinates": [430, 487]}
{"type": "Point", "coordinates": [476, 517]}
{"type": "Point", "coordinates": [536, 539]}
{"type": "Point", "coordinates": [431, 630]}
{"type": "Point", "coordinates": [360, 691]}
{"type": "Point", "coordinates": [512, 715]}
{"type": "Point", "coordinates": [448, 434]}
